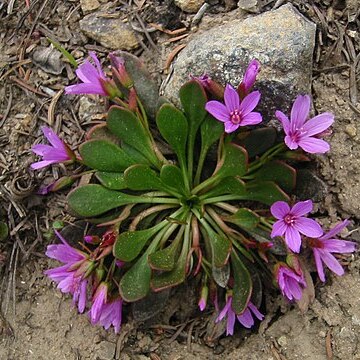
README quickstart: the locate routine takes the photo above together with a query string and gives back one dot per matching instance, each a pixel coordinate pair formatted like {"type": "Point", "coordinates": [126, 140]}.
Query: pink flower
{"type": "Point", "coordinates": [92, 77]}
{"type": "Point", "coordinates": [98, 301]}
{"type": "Point", "coordinates": [111, 314]}
{"type": "Point", "coordinates": [325, 245]}
{"type": "Point", "coordinates": [290, 283]}
{"type": "Point", "coordinates": [249, 78]}
{"type": "Point", "coordinates": [292, 222]}
{"type": "Point", "coordinates": [71, 277]}
{"type": "Point", "coordinates": [235, 112]}
{"type": "Point", "coordinates": [56, 153]}
{"type": "Point", "coordinates": [302, 132]}
{"type": "Point", "coordinates": [246, 319]}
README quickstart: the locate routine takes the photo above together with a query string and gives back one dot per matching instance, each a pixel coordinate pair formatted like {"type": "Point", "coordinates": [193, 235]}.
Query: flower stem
{"type": "Point", "coordinates": [200, 166]}
{"type": "Point", "coordinates": [268, 155]}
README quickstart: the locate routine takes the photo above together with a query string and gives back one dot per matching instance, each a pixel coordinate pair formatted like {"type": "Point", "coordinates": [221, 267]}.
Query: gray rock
{"type": "Point", "coordinates": [48, 59]}
{"type": "Point", "coordinates": [282, 40]}
{"type": "Point", "coordinates": [309, 186]}
{"type": "Point", "coordinates": [111, 33]}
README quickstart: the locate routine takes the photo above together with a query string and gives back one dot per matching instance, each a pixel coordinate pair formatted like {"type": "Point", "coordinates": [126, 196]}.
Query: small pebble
{"type": "Point", "coordinates": [350, 130]}
{"type": "Point", "coordinates": [282, 341]}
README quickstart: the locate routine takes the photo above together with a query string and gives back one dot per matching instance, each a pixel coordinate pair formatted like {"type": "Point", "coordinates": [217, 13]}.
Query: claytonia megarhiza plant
{"type": "Point", "coordinates": [215, 210]}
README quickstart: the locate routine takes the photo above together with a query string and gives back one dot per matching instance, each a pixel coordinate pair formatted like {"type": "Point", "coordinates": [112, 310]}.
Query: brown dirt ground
{"type": "Point", "coordinates": [36, 321]}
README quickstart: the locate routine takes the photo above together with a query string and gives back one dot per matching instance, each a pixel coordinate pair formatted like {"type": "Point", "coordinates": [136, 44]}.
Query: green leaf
{"type": "Point", "coordinates": [129, 244]}
{"type": "Point", "coordinates": [124, 124]}
{"type": "Point", "coordinates": [177, 275]}
{"type": "Point", "coordinates": [220, 245]}
{"type": "Point", "coordinates": [221, 275]}
{"type": "Point", "coordinates": [244, 218]}
{"type": "Point", "coordinates": [266, 192]}
{"type": "Point", "coordinates": [92, 200]}
{"type": "Point", "coordinates": [172, 177]}
{"type": "Point", "coordinates": [173, 127]}
{"type": "Point", "coordinates": [242, 285]}
{"type": "Point", "coordinates": [229, 185]}
{"type": "Point", "coordinates": [142, 177]}
{"type": "Point", "coordinates": [211, 131]}
{"type": "Point", "coordinates": [135, 155]}
{"type": "Point", "coordinates": [256, 141]}
{"type": "Point", "coordinates": [164, 259]}
{"type": "Point", "coordinates": [103, 155]}
{"type": "Point", "coordinates": [135, 284]}
{"type": "Point", "coordinates": [279, 172]}
{"type": "Point", "coordinates": [65, 53]}
{"type": "Point", "coordinates": [193, 99]}
{"type": "Point", "coordinates": [102, 132]}
{"type": "Point", "coordinates": [111, 180]}
{"type": "Point", "coordinates": [234, 162]}
{"type": "Point", "coordinates": [4, 231]}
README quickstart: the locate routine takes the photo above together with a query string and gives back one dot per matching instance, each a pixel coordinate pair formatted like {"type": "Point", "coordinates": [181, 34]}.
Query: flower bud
{"type": "Point", "coordinates": [92, 239]}
{"type": "Point", "coordinates": [119, 71]}
{"type": "Point", "coordinates": [203, 298]}
{"type": "Point", "coordinates": [110, 88]}
{"type": "Point", "coordinates": [210, 85]}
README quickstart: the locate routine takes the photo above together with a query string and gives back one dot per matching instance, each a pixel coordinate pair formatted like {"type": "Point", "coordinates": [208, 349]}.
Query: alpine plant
{"type": "Point", "coordinates": [216, 210]}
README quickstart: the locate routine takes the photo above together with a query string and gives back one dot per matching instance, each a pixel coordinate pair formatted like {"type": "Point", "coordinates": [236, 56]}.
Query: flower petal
{"type": "Point", "coordinates": [87, 72]}
{"type": "Point", "coordinates": [308, 227]}
{"type": "Point", "coordinates": [279, 228]}
{"type": "Point", "coordinates": [82, 296]}
{"type": "Point", "coordinates": [230, 322]}
{"type": "Point", "coordinates": [293, 239]}
{"type": "Point", "coordinates": [41, 149]}
{"type": "Point", "coordinates": [318, 124]}
{"type": "Point", "coordinates": [231, 98]}
{"type": "Point", "coordinates": [280, 209]}
{"type": "Point", "coordinates": [97, 63]}
{"type": "Point", "coordinates": [224, 310]}
{"type": "Point", "coordinates": [291, 143]}
{"type": "Point", "coordinates": [218, 110]}
{"type": "Point", "coordinates": [331, 262]}
{"type": "Point", "coordinates": [319, 265]}
{"type": "Point", "coordinates": [313, 145]}
{"type": "Point", "coordinates": [41, 164]}
{"type": "Point", "coordinates": [284, 121]}
{"type": "Point", "coordinates": [63, 253]}
{"type": "Point", "coordinates": [335, 230]}
{"type": "Point", "coordinates": [302, 208]}
{"type": "Point", "coordinates": [339, 246]}
{"type": "Point", "coordinates": [300, 111]}
{"type": "Point", "coordinates": [230, 127]}
{"type": "Point", "coordinates": [85, 88]}
{"type": "Point", "coordinates": [53, 139]}
{"type": "Point", "coordinates": [294, 288]}
{"type": "Point", "coordinates": [246, 319]}
{"type": "Point", "coordinates": [255, 311]}
{"type": "Point", "coordinates": [249, 103]}
{"type": "Point", "coordinates": [252, 118]}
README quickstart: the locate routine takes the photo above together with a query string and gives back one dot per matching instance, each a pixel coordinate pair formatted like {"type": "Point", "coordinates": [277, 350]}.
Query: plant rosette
{"type": "Point", "coordinates": [212, 208]}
